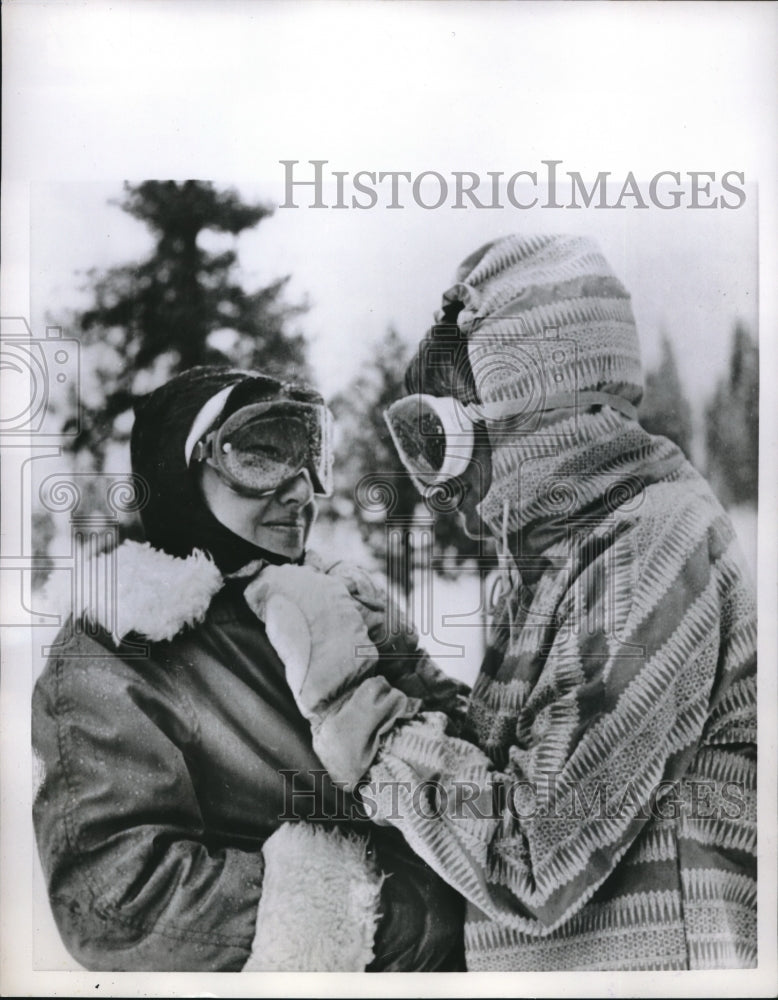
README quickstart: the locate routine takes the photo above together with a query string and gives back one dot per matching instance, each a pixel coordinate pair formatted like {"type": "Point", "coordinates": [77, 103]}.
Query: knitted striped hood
{"type": "Point", "coordinates": [551, 339]}
{"type": "Point", "coordinates": [544, 318]}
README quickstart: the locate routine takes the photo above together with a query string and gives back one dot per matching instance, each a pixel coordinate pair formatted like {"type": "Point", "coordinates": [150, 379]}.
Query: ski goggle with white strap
{"type": "Point", "coordinates": [434, 437]}
{"type": "Point", "coordinates": [263, 445]}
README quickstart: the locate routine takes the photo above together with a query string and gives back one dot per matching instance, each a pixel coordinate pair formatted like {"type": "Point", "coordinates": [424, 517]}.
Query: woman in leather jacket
{"type": "Point", "coordinates": [184, 820]}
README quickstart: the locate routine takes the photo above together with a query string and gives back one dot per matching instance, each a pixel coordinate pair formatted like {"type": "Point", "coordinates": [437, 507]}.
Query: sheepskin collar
{"type": "Point", "coordinates": [151, 593]}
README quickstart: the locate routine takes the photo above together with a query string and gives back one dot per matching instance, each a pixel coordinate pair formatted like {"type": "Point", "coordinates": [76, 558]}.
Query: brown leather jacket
{"type": "Point", "coordinates": [166, 766]}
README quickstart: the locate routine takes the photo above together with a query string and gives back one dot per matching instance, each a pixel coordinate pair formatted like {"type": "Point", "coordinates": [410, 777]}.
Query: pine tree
{"type": "Point", "coordinates": [664, 409]}
{"type": "Point", "coordinates": [180, 307]}
{"type": "Point", "coordinates": [732, 436]}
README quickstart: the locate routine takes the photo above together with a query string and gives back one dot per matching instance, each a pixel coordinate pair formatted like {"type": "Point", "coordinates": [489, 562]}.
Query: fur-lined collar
{"type": "Point", "coordinates": [156, 595]}
{"type": "Point", "coordinates": [149, 592]}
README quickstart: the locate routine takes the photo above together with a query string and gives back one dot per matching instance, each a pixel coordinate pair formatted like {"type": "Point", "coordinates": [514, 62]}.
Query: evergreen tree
{"type": "Point", "coordinates": [180, 307]}
{"type": "Point", "coordinates": [664, 409]}
{"type": "Point", "coordinates": [732, 436]}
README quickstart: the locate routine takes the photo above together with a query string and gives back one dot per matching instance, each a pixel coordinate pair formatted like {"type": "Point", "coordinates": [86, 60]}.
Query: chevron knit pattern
{"type": "Point", "coordinates": [615, 732]}
{"type": "Point", "coordinates": [545, 316]}
{"type": "Point", "coordinates": [601, 811]}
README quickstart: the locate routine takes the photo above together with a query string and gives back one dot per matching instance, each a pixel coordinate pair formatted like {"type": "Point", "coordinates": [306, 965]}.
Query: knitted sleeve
{"type": "Point", "coordinates": [612, 719]}
{"type": "Point", "coordinates": [418, 676]}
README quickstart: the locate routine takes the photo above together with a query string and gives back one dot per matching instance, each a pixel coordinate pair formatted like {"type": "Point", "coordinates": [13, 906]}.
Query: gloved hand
{"type": "Point", "coordinates": [315, 627]}
{"type": "Point", "coordinates": [386, 625]}
{"type": "Point", "coordinates": [369, 598]}
{"type": "Point", "coordinates": [401, 660]}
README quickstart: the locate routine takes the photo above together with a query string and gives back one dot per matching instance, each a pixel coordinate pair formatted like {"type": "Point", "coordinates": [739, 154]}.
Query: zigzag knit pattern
{"type": "Point", "coordinates": [614, 729]}
{"type": "Point", "coordinates": [545, 316]}
{"type": "Point", "coordinates": [601, 811]}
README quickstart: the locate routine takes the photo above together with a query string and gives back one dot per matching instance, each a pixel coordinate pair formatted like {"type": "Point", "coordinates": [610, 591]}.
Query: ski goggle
{"type": "Point", "coordinates": [434, 437]}
{"type": "Point", "coordinates": [263, 445]}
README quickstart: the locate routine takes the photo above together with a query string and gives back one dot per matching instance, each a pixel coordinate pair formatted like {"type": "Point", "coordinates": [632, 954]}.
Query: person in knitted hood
{"type": "Point", "coordinates": [184, 820]}
{"type": "Point", "coordinates": [598, 811]}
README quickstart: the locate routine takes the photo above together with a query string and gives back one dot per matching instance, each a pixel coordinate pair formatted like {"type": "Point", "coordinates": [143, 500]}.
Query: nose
{"type": "Point", "coordinates": [296, 491]}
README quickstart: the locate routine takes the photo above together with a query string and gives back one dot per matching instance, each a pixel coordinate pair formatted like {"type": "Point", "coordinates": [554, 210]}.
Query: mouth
{"type": "Point", "coordinates": [286, 525]}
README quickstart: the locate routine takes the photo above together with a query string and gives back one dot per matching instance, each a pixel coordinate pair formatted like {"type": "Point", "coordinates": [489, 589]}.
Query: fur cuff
{"type": "Point", "coordinates": [319, 908]}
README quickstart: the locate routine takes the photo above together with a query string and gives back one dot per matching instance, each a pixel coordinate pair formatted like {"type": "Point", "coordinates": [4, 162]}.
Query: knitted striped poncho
{"type": "Point", "coordinates": [601, 811]}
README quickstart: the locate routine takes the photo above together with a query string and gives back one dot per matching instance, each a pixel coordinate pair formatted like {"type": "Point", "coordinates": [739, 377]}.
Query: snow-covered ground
{"type": "Point", "coordinates": [452, 626]}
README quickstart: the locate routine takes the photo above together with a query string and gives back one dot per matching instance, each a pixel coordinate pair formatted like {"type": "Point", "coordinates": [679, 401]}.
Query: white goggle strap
{"type": "Point", "coordinates": [324, 463]}
{"type": "Point", "coordinates": [206, 417]}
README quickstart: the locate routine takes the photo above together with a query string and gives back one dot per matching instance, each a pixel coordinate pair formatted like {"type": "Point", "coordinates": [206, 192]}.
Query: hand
{"type": "Point", "coordinates": [369, 598]}
{"type": "Point", "coordinates": [393, 636]}
{"type": "Point", "coordinates": [317, 630]}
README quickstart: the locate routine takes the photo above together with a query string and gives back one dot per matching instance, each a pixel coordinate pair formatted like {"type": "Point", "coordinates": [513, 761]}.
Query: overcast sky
{"type": "Point", "coordinates": [227, 90]}
{"type": "Point", "coordinates": [691, 273]}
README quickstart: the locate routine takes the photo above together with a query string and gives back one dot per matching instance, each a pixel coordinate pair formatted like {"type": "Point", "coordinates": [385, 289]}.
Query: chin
{"type": "Point", "coordinates": [292, 554]}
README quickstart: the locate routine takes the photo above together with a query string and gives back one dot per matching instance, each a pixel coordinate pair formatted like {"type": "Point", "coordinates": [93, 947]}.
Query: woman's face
{"type": "Point", "coordinates": [279, 522]}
